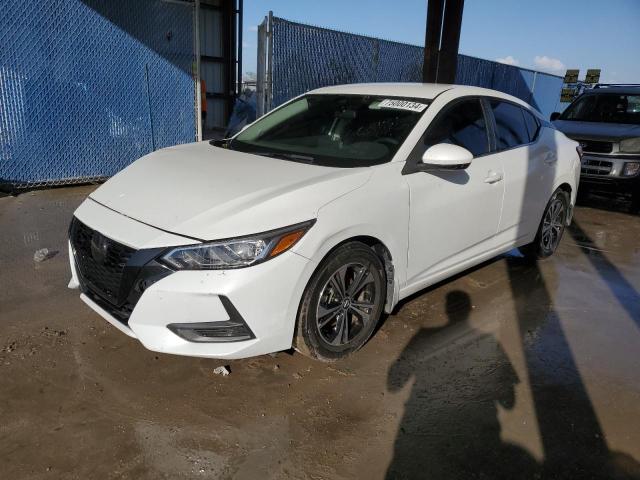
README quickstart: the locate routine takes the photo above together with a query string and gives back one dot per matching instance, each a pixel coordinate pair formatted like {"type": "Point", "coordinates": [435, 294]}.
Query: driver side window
{"type": "Point", "coordinates": [462, 124]}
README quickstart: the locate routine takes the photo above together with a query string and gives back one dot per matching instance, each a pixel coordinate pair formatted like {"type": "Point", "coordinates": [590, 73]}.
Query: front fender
{"type": "Point", "coordinates": [378, 210]}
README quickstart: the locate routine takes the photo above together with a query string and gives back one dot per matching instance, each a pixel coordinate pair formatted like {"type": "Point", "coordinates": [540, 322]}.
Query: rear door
{"type": "Point", "coordinates": [528, 169]}
{"type": "Point", "coordinates": [454, 215]}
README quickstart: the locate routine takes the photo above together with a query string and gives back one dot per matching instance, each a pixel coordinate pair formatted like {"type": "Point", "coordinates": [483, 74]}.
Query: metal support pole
{"type": "Point", "coordinates": [450, 41]}
{"type": "Point", "coordinates": [435, 9]}
{"type": "Point", "coordinates": [196, 40]}
{"type": "Point", "coordinates": [442, 39]}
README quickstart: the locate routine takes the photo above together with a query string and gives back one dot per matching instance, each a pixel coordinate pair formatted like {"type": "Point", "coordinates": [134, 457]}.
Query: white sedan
{"type": "Point", "coordinates": [303, 228]}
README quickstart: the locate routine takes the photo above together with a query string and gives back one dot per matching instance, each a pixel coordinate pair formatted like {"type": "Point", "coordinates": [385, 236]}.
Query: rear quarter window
{"type": "Point", "coordinates": [533, 125]}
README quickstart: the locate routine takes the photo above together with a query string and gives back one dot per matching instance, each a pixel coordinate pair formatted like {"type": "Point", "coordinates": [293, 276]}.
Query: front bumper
{"type": "Point", "coordinates": [604, 172]}
{"type": "Point", "coordinates": [265, 297]}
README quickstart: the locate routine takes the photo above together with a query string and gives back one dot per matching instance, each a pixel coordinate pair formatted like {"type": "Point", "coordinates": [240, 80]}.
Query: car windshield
{"type": "Point", "coordinates": [333, 130]}
{"type": "Point", "coordinates": [605, 107]}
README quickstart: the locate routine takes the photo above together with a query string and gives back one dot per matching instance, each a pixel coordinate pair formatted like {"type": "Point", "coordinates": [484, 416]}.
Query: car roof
{"type": "Point", "coordinates": [622, 90]}
{"type": "Point", "coordinates": [427, 91]}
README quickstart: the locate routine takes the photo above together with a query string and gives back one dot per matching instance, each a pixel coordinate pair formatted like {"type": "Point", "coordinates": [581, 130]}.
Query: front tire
{"type": "Point", "coordinates": [552, 226]}
{"type": "Point", "coordinates": [342, 303]}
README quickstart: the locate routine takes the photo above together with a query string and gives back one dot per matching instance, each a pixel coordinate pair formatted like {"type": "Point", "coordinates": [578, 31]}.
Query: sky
{"type": "Point", "coordinates": [543, 35]}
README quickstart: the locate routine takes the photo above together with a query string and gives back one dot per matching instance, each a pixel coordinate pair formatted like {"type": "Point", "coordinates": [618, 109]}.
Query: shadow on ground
{"type": "Point", "coordinates": [463, 381]}
{"type": "Point", "coordinates": [450, 427]}
{"type": "Point", "coordinates": [510, 370]}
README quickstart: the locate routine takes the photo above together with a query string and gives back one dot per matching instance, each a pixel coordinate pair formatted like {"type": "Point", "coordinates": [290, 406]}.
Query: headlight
{"type": "Point", "coordinates": [237, 252]}
{"type": "Point", "coordinates": [631, 169]}
{"type": "Point", "coordinates": [630, 145]}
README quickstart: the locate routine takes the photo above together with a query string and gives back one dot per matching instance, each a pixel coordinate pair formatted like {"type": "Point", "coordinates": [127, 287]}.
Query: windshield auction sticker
{"type": "Point", "coordinates": [402, 105]}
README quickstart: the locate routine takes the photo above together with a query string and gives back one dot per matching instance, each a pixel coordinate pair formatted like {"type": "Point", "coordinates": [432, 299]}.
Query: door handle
{"type": "Point", "coordinates": [493, 177]}
{"type": "Point", "coordinates": [550, 158]}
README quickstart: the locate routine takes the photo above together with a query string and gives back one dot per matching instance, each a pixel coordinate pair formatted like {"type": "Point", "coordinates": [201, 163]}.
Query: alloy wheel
{"type": "Point", "coordinates": [346, 304]}
{"type": "Point", "coordinates": [553, 225]}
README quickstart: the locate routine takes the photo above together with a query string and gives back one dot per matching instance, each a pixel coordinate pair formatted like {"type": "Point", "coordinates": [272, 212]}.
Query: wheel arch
{"type": "Point", "coordinates": [383, 252]}
{"type": "Point", "coordinates": [568, 189]}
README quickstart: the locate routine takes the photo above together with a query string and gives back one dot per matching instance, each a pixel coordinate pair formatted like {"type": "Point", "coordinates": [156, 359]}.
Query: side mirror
{"type": "Point", "coordinates": [554, 116]}
{"type": "Point", "coordinates": [445, 156]}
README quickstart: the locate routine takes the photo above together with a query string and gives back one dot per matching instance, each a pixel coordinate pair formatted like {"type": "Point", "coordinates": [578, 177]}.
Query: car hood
{"type": "Point", "coordinates": [609, 132]}
{"type": "Point", "coordinates": [208, 193]}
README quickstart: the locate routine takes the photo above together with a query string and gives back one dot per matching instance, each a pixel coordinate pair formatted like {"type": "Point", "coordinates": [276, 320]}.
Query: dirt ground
{"type": "Point", "coordinates": [511, 370]}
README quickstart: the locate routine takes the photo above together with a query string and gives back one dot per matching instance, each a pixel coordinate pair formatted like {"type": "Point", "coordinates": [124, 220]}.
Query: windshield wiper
{"type": "Point", "coordinates": [296, 157]}
{"type": "Point", "coordinates": [221, 142]}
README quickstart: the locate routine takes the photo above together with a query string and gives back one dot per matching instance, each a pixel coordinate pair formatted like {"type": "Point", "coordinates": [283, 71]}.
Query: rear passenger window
{"type": "Point", "coordinates": [533, 126]}
{"type": "Point", "coordinates": [463, 125]}
{"type": "Point", "coordinates": [511, 130]}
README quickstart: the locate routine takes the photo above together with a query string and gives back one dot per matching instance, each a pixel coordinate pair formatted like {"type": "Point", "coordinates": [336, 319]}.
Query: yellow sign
{"type": "Point", "coordinates": [568, 94]}
{"type": "Point", "coordinates": [571, 76]}
{"type": "Point", "coordinates": [593, 75]}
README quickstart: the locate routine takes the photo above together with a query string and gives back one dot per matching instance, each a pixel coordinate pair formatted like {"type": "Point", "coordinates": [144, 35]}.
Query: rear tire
{"type": "Point", "coordinates": [342, 303]}
{"type": "Point", "coordinates": [551, 227]}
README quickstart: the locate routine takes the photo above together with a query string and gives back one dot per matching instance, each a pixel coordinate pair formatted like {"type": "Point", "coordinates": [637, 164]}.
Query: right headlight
{"type": "Point", "coordinates": [235, 253]}
{"type": "Point", "coordinates": [630, 145]}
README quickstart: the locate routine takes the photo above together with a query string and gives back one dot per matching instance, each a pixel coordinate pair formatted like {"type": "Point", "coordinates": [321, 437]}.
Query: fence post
{"type": "Point", "coordinates": [260, 69]}
{"type": "Point", "coordinates": [196, 48]}
{"type": "Point", "coordinates": [264, 66]}
{"type": "Point", "coordinates": [153, 137]}
{"type": "Point", "coordinates": [533, 87]}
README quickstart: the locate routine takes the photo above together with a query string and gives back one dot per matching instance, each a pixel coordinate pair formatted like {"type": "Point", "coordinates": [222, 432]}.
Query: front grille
{"type": "Point", "coordinates": [100, 262]}
{"type": "Point", "coordinates": [596, 167]}
{"type": "Point", "coordinates": [594, 146]}
{"type": "Point", "coordinates": [120, 313]}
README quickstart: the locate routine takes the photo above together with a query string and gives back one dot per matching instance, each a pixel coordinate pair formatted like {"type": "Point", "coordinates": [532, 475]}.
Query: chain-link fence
{"type": "Point", "coordinates": [88, 86]}
{"type": "Point", "coordinates": [294, 58]}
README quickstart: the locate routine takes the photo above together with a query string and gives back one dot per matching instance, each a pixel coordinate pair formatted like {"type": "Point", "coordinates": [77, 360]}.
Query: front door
{"type": "Point", "coordinates": [454, 215]}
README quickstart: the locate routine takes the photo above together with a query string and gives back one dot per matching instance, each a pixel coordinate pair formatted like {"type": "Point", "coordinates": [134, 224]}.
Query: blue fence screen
{"type": "Point", "coordinates": [305, 57]}
{"type": "Point", "coordinates": [88, 86]}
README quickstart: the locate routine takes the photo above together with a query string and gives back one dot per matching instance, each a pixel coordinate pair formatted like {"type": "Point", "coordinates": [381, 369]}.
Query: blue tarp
{"type": "Point", "coordinates": [244, 112]}
{"type": "Point", "coordinates": [88, 86]}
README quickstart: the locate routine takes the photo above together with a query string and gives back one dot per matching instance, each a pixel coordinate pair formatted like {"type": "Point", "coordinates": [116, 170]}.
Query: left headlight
{"type": "Point", "coordinates": [237, 252]}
